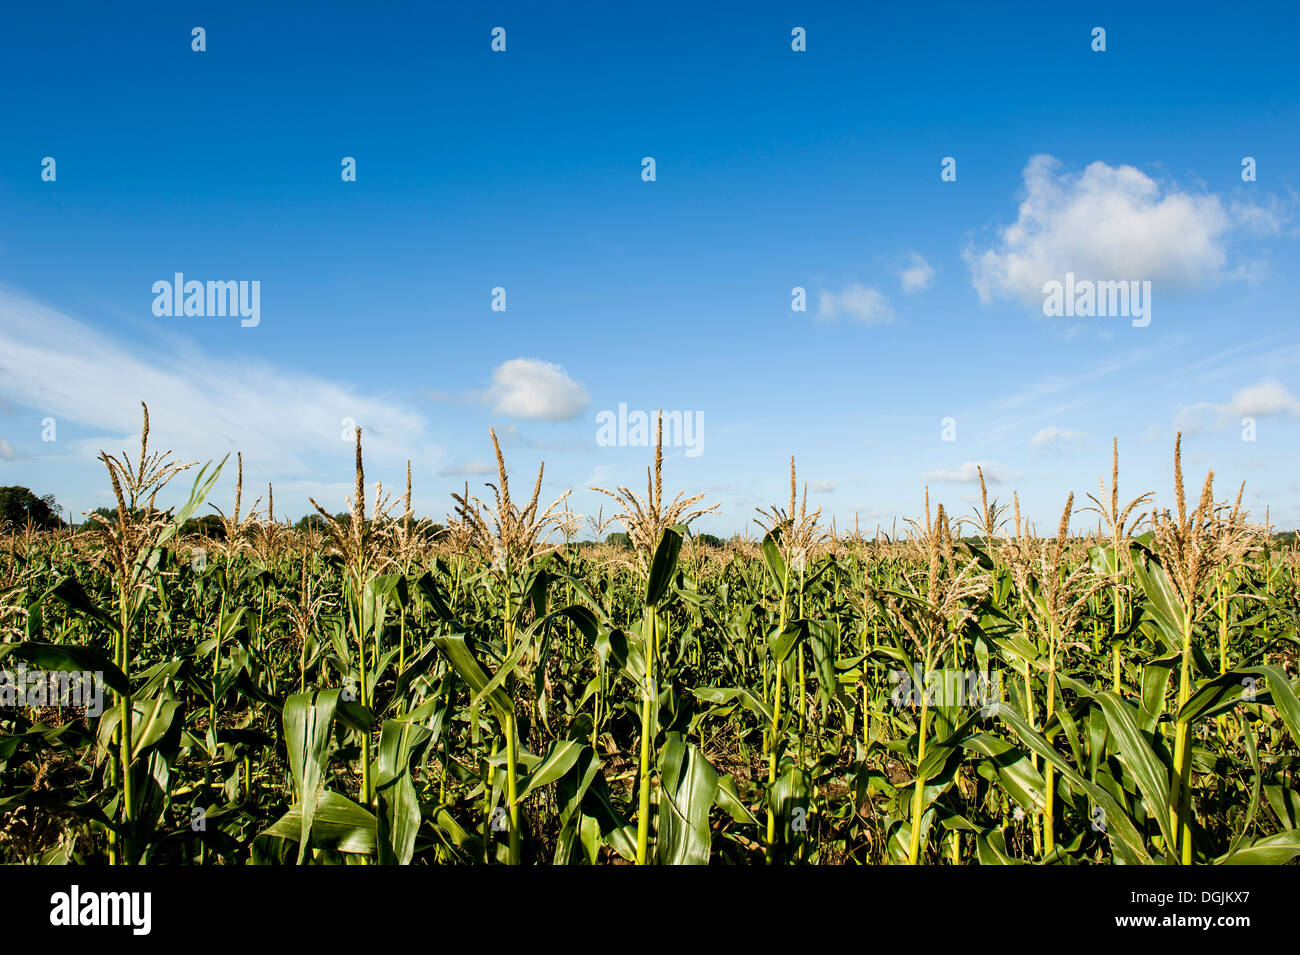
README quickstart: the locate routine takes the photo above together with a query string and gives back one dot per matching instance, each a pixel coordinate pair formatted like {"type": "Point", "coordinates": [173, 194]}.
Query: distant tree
{"type": "Point", "coordinates": [110, 514]}
{"type": "Point", "coordinates": [311, 520]}
{"type": "Point", "coordinates": [209, 525]}
{"type": "Point", "coordinates": [620, 540]}
{"type": "Point", "coordinates": [89, 523]}
{"type": "Point", "coordinates": [18, 505]}
{"type": "Point", "coordinates": [710, 540]}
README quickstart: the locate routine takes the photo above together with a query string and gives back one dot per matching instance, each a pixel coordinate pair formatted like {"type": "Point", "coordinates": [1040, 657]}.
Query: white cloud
{"type": "Point", "coordinates": [866, 305]}
{"type": "Point", "coordinates": [821, 487]}
{"type": "Point", "coordinates": [916, 277]}
{"type": "Point", "coordinates": [968, 473]}
{"type": "Point", "coordinates": [7, 453]}
{"type": "Point", "coordinates": [1262, 400]}
{"type": "Point", "coordinates": [1107, 223]}
{"type": "Point", "coordinates": [290, 425]}
{"type": "Point", "coordinates": [469, 469]}
{"type": "Point", "coordinates": [535, 389]}
{"type": "Point", "coordinates": [1202, 416]}
{"type": "Point", "coordinates": [1054, 438]}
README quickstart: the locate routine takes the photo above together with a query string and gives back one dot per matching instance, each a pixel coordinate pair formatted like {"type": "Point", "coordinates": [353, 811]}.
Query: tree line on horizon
{"type": "Point", "coordinates": [21, 507]}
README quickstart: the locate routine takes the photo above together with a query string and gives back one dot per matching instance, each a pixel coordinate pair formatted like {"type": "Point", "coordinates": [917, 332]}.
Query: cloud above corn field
{"type": "Point", "coordinates": [537, 390]}
{"type": "Point", "coordinates": [969, 473]}
{"type": "Point", "coordinates": [1264, 399]}
{"type": "Point", "coordinates": [1111, 223]}
{"type": "Point", "coordinates": [1055, 439]}
{"type": "Point", "coordinates": [286, 422]}
{"type": "Point", "coordinates": [866, 305]}
{"type": "Point", "coordinates": [468, 469]}
{"type": "Point", "coordinates": [917, 274]}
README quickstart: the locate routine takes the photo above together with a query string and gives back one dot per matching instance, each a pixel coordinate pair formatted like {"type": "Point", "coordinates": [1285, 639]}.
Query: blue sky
{"type": "Point", "coordinates": [775, 169]}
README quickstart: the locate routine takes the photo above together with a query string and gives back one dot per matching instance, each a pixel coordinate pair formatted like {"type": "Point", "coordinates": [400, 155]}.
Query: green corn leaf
{"type": "Point", "coordinates": [1152, 775]}
{"type": "Point", "coordinates": [664, 564]}
{"type": "Point", "coordinates": [689, 785]}
{"type": "Point", "coordinates": [307, 720]}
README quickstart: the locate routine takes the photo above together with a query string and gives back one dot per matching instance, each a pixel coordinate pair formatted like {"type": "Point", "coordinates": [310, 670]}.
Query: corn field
{"type": "Point", "coordinates": [371, 690]}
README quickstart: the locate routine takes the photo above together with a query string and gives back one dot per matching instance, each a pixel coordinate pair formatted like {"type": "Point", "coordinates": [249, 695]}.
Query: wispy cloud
{"type": "Point", "coordinates": [862, 304]}
{"type": "Point", "coordinates": [1055, 439]}
{"type": "Point", "coordinates": [917, 275]}
{"type": "Point", "coordinates": [288, 423]}
{"type": "Point", "coordinates": [468, 469]}
{"type": "Point", "coordinates": [1262, 400]}
{"type": "Point", "coordinates": [969, 473]}
{"type": "Point", "coordinates": [1056, 384]}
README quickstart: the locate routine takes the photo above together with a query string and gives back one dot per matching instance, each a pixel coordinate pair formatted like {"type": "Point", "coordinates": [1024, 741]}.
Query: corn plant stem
{"type": "Point", "coordinates": [367, 794]}
{"type": "Point", "coordinates": [595, 705]}
{"type": "Point", "coordinates": [512, 745]}
{"type": "Point", "coordinates": [866, 716]}
{"type": "Point", "coordinates": [124, 728]}
{"type": "Point", "coordinates": [512, 791]}
{"type": "Point", "coordinates": [1049, 773]}
{"type": "Point", "coordinates": [216, 658]}
{"type": "Point", "coordinates": [1180, 814]}
{"type": "Point", "coordinates": [1033, 759]}
{"type": "Point", "coordinates": [774, 736]}
{"type": "Point", "coordinates": [803, 696]}
{"type": "Point", "coordinates": [1118, 661]}
{"type": "Point", "coordinates": [489, 780]}
{"type": "Point", "coordinates": [647, 719]}
{"type": "Point", "coordinates": [918, 796]}
{"type": "Point", "coordinates": [1223, 606]}
{"type": "Point", "coordinates": [1223, 628]}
